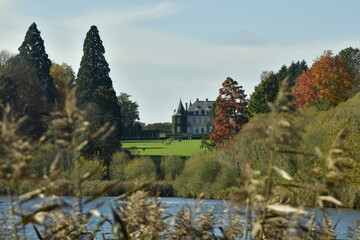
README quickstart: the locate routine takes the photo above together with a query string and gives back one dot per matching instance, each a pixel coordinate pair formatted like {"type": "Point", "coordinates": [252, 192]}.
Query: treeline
{"type": "Point", "coordinates": [36, 89]}
{"type": "Point", "coordinates": [329, 81]}
{"type": "Point", "coordinates": [301, 139]}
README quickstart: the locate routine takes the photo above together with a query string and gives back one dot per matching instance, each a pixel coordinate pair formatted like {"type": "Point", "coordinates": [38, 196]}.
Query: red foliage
{"type": "Point", "coordinates": [231, 113]}
{"type": "Point", "coordinates": [327, 81]}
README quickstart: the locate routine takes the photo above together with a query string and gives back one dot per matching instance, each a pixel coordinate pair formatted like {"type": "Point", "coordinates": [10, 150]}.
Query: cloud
{"type": "Point", "coordinates": [154, 66]}
{"type": "Point", "coordinates": [248, 38]}
{"type": "Point", "coordinates": [118, 15]}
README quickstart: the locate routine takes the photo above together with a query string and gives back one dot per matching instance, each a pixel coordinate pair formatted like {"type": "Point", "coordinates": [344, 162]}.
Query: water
{"type": "Point", "coordinates": [344, 218]}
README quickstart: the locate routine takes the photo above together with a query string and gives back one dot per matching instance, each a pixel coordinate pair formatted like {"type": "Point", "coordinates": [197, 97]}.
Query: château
{"type": "Point", "coordinates": [193, 119]}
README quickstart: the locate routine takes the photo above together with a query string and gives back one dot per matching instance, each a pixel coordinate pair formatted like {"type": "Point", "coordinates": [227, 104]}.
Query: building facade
{"type": "Point", "coordinates": [193, 119]}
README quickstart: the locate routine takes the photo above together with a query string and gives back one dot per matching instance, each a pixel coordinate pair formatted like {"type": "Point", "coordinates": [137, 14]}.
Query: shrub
{"type": "Point", "coordinates": [118, 162]}
{"type": "Point", "coordinates": [42, 158]}
{"type": "Point", "coordinates": [171, 166]}
{"type": "Point", "coordinates": [198, 176]}
{"type": "Point", "coordinates": [227, 178]}
{"type": "Point", "coordinates": [82, 166]}
{"type": "Point", "coordinates": [141, 169]}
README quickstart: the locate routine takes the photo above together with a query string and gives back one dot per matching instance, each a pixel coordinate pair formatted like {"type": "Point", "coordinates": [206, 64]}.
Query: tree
{"type": "Point", "coordinates": [7, 84]}
{"type": "Point", "coordinates": [231, 113]}
{"type": "Point", "coordinates": [267, 90]}
{"type": "Point", "coordinates": [33, 51]}
{"type": "Point", "coordinates": [294, 71]}
{"type": "Point", "coordinates": [7, 87]}
{"type": "Point", "coordinates": [129, 112]}
{"type": "Point", "coordinates": [327, 82]}
{"type": "Point", "coordinates": [95, 92]}
{"type": "Point", "coordinates": [4, 57]}
{"type": "Point", "coordinates": [26, 96]}
{"type": "Point", "coordinates": [165, 126]}
{"type": "Point", "coordinates": [64, 79]}
{"type": "Point", "coordinates": [264, 93]}
{"type": "Point", "coordinates": [352, 58]}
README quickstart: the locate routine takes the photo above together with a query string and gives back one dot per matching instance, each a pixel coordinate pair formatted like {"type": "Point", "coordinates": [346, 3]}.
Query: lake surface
{"type": "Point", "coordinates": [344, 218]}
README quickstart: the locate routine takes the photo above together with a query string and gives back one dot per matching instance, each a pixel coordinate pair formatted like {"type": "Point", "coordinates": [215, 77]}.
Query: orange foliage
{"type": "Point", "coordinates": [328, 81]}
{"type": "Point", "coordinates": [231, 113]}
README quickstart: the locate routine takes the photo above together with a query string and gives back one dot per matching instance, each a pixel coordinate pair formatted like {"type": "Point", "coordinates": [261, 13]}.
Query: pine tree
{"type": "Point", "coordinates": [95, 92]}
{"type": "Point", "coordinates": [267, 90]}
{"type": "Point", "coordinates": [264, 93]}
{"type": "Point", "coordinates": [33, 51]}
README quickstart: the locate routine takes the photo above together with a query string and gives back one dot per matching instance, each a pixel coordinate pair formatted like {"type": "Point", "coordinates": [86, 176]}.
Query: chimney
{"type": "Point", "coordinates": [206, 99]}
{"type": "Point", "coordinates": [197, 99]}
{"type": "Point", "coordinates": [186, 106]}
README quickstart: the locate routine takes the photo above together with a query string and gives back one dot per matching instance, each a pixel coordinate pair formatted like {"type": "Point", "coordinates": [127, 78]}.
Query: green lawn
{"type": "Point", "coordinates": [159, 148]}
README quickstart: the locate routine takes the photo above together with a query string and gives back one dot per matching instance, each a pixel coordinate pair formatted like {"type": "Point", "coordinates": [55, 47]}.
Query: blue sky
{"type": "Point", "coordinates": [161, 51]}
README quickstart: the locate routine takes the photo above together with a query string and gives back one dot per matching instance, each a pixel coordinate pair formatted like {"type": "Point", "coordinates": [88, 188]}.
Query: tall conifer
{"type": "Point", "coordinates": [33, 51]}
{"type": "Point", "coordinates": [95, 91]}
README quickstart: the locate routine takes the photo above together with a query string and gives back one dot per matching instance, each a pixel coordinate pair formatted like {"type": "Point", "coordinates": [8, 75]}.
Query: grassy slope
{"type": "Point", "coordinates": [156, 147]}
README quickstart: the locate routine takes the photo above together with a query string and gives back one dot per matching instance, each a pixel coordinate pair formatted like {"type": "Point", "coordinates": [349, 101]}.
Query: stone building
{"type": "Point", "coordinates": [193, 119]}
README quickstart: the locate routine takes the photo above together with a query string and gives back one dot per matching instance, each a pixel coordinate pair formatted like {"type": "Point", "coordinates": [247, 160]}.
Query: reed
{"type": "Point", "coordinates": [267, 215]}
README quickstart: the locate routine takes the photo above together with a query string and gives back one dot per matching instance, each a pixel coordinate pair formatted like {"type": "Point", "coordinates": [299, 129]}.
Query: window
{"type": "Point", "coordinates": [194, 120]}
{"type": "Point", "coordinates": [178, 120]}
{"type": "Point", "coordinates": [178, 129]}
{"type": "Point", "coordinates": [200, 120]}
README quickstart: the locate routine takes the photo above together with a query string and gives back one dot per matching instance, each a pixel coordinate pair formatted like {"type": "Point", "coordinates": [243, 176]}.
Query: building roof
{"type": "Point", "coordinates": [180, 109]}
{"type": "Point", "coordinates": [201, 105]}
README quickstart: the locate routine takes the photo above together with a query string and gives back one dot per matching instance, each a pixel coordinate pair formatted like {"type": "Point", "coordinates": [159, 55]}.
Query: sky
{"type": "Point", "coordinates": [162, 51]}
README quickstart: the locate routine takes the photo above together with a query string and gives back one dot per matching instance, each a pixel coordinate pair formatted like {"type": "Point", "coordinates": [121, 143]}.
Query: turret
{"type": "Point", "coordinates": [179, 120]}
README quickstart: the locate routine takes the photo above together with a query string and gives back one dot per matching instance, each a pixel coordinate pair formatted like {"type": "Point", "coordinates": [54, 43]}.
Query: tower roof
{"type": "Point", "coordinates": [180, 109]}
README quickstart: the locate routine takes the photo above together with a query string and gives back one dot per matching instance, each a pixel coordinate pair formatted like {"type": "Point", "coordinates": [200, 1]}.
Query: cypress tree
{"type": "Point", "coordinates": [33, 51]}
{"type": "Point", "coordinates": [95, 92]}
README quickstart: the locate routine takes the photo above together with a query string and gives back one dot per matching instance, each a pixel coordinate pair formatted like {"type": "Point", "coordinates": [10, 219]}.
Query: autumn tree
{"type": "Point", "coordinates": [327, 82]}
{"type": "Point", "coordinates": [96, 94]}
{"type": "Point", "coordinates": [33, 51]}
{"type": "Point", "coordinates": [231, 113]}
{"type": "Point", "coordinates": [64, 79]}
